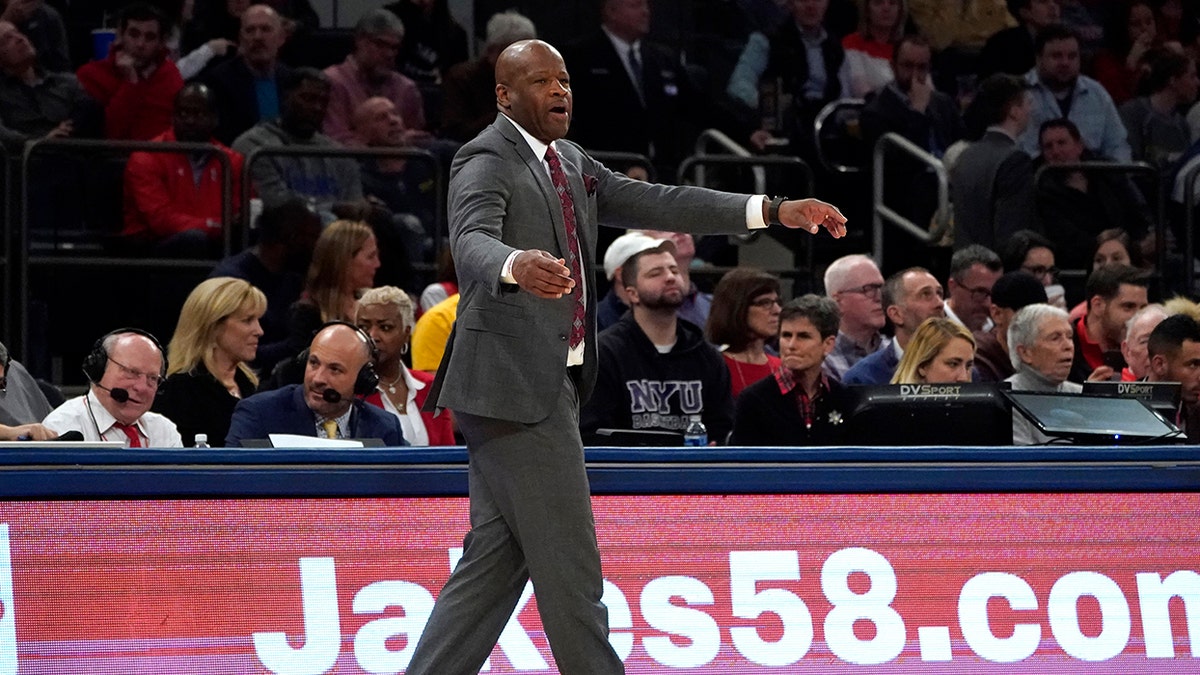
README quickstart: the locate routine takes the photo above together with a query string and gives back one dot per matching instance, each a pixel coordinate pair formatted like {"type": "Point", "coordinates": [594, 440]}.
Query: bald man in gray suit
{"type": "Point", "coordinates": [524, 206]}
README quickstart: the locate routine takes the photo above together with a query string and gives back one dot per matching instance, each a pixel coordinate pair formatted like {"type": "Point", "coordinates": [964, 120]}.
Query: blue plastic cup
{"type": "Point", "coordinates": [102, 39]}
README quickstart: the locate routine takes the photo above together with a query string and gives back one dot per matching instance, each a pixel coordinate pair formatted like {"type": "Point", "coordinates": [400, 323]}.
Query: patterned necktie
{"type": "Point", "coordinates": [559, 178]}
{"type": "Point", "coordinates": [131, 432]}
{"type": "Point", "coordinates": [635, 66]}
{"type": "Point", "coordinates": [330, 427]}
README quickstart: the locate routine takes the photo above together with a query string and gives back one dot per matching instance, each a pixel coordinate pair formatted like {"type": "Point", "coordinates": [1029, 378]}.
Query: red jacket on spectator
{"type": "Point", "coordinates": [439, 426]}
{"type": "Point", "coordinates": [162, 198]}
{"type": "Point", "coordinates": [133, 111]}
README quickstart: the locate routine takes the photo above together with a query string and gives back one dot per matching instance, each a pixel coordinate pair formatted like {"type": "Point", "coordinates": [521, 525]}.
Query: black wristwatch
{"type": "Point", "coordinates": [773, 210]}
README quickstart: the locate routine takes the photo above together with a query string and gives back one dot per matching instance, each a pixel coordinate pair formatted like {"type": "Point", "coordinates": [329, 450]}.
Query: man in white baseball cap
{"type": "Point", "coordinates": [615, 303]}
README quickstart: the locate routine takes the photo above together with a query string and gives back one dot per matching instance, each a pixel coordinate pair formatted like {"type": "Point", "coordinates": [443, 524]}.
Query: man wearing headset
{"type": "Point", "coordinates": [337, 372]}
{"type": "Point", "coordinates": [125, 368]}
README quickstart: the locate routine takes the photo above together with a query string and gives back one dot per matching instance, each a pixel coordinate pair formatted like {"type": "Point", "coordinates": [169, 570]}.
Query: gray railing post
{"type": "Point", "coordinates": [882, 213]}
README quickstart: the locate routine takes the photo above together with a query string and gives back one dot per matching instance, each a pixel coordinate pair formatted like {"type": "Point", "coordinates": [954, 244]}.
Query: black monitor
{"type": "Point", "coordinates": [1094, 420]}
{"type": "Point", "coordinates": [1164, 397]}
{"type": "Point", "coordinates": [633, 438]}
{"type": "Point", "coordinates": [930, 414]}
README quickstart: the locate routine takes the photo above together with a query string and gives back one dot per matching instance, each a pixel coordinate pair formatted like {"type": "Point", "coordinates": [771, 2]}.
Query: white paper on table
{"type": "Point", "coordinates": [298, 441]}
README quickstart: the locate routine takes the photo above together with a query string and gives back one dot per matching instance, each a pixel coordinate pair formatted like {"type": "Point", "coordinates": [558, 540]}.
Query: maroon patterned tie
{"type": "Point", "coordinates": [559, 178]}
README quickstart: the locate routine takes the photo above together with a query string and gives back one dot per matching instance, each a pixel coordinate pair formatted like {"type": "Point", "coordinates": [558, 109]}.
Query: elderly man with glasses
{"type": "Point", "coordinates": [909, 297]}
{"type": "Point", "coordinates": [125, 369]}
{"type": "Point", "coordinates": [856, 285]}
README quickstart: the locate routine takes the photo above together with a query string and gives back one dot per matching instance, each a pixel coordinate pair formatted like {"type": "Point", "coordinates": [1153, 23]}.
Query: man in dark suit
{"type": "Point", "coordinates": [992, 180]}
{"type": "Point", "coordinates": [326, 405]}
{"type": "Point", "coordinates": [247, 86]}
{"type": "Point", "coordinates": [634, 95]}
{"type": "Point", "coordinates": [524, 208]}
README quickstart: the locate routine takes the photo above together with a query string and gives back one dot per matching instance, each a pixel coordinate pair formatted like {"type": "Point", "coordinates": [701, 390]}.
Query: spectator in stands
{"type": "Point", "coordinates": [799, 404]}
{"type": "Point", "coordinates": [973, 271]}
{"type": "Point", "coordinates": [214, 342]}
{"type": "Point", "coordinates": [1158, 133]}
{"type": "Point", "coordinates": [470, 88]}
{"type": "Point", "coordinates": [125, 369]}
{"type": "Point", "coordinates": [1074, 206]}
{"type": "Point", "coordinates": [856, 285]}
{"type": "Point", "coordinates": [405, 187]}
{"type": "Point", "coordinates": [655, 371]}
{"type": "Point", "coordinates": [1033, 253]}
{"type": "Point", "coordinates": [337, 373]}
{"type": "Point", "coordinates": [744, 316]}
{"type": "Point", "coordinates": [1011, 50]}
{"type": "Point", "coordinates": [696, 304]}
{"type": "Point", "coordinates": [615, 302]}
{"type": "Point", "coordinates": [173, 201]}
{"type": "Point", "coordinates": [431, 333]}
{"type": "Point", "coordinates": [1174, 348]}
{"type": "Point", "coordinates": [343, 265]}
{"type": "Point", "coordinates": [909, 297]}
{"type": "Point", "coordinates": [941, 351]}
{"type": "Point", "coordinates": [992, 180]}
{"type": "Point", "coordinates": [1131, 33]}
{"type": "Point", "coordinates": [632, 94]}
{"type": "Point", "coordinates": [799, 62]}
{"type": "Point", "coordinates": [43, 26]}
{"type": "Point", "coordinates": [35, 103]}
{"type": "Point", "coordinates": [22, 403]}
{"type": "Point", "coordinates": [909, 105]}
{"type": "Point", "coordinates": [870, 49]}
{"type": "Point", "coordinates": [1135, 346]}
{"type": "Point", "coordinates": [323, 181]}
{"type": "Point", "coordinates": [1059, 90]}
{"type": "Point", "coordinates": [386, 314]}
{"type": "Point", "coordinates": [193, 61]}
{"type": "Point", "coordinates": [1040, 347]}
{"type": "Point", "coordinates": [247, 86]}
{"type": "Point", "coordinates": [214, 20]}
{"type": "Point", "coordinates": [1114, 293]}
{"type": "Point", "coordinates": [276, 266]}
{"type": "Point", "coordinates": [1011, 293]}
{"type": "Point", "coordinates": [370, 71]}
{"type": "Point", "coordinates": [445, 281]}
{"type": "Point", "coordinates": [136, 83]}
{"type": "Point", "coordinates": [435, 40]}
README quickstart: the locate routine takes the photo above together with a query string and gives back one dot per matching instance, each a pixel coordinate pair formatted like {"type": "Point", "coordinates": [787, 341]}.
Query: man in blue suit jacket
{"type": "Point", "coordinates": [909, 297]}
{"type": "Point", "coordinates": [325, 405]}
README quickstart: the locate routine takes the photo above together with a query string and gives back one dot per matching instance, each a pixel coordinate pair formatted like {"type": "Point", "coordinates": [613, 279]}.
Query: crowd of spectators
{"type": "Point", "coordinates": [1020, 99]}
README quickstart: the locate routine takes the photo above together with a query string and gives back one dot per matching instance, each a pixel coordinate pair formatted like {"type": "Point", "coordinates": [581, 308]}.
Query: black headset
{"type": "Point", "coordinates": [95, 363]}
{"type": "Point", "coordinates": [367, 379]}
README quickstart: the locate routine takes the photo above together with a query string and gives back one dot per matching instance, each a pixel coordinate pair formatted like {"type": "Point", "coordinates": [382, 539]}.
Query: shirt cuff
{"type": "Point", "coordinates": [754, 217]}
{"type": "Point", "coordinates": [506, 269]}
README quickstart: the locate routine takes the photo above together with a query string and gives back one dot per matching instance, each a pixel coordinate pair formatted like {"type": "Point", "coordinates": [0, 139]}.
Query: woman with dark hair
{"type": "Point", "coordinates": [744, 316]}
{"type": "Point", "coordinates": [869, 49]}
{"type": "Point", "coordinates": [1033, 252]}
{"type": "Point", "coordinates": [1132, 31]}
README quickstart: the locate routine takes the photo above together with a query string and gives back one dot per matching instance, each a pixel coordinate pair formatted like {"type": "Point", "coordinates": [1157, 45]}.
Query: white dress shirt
{"type": "Point", "coordinates": [410, 420]}
{"type": "Point", "coordinates": [85, 415]}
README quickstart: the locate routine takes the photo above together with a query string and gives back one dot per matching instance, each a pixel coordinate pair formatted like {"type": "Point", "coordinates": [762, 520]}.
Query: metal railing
{"type": "Point", "coordinates": [710, 137]}
{"type": "Point", "coordinates": [882, 213]}
{"type": "Point", "coordinates": [73, 259]}
{"type": "Point", "coordinates": [349, 153]}
{"type": "Point", "coordinates": [1142, 168]}
{"type": "Point", "coordinates": [759, 163]}
{"type": "Point", "coordinates": [828, 111]}
{"type": "Point", "coordinates": [609, 157]}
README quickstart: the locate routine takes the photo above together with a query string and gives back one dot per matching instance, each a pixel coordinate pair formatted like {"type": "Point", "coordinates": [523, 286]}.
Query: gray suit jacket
{"type": "Point", "coordinates": [506, 357]}
{"type": "Point", "coordinates": [992, 191]}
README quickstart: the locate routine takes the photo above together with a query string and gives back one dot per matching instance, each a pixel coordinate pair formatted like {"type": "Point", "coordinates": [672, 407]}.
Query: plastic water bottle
{"type": "Point", "coordinates": [695, 434]}
{"type": "Point", "coordinates": [202, 441]}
